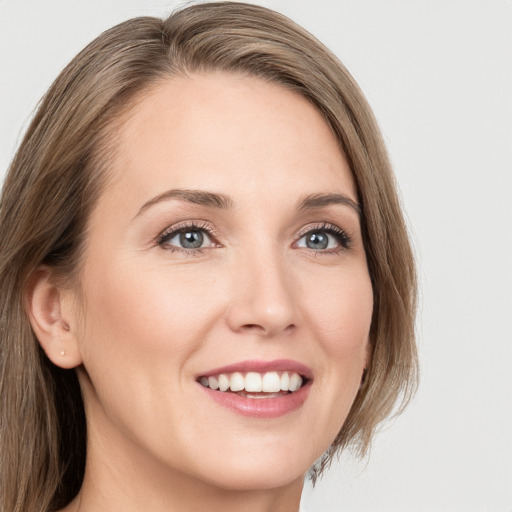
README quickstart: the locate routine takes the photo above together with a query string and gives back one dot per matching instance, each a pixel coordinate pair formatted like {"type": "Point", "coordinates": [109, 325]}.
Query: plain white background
{"type": "Point", "coordinates": [438, 74]}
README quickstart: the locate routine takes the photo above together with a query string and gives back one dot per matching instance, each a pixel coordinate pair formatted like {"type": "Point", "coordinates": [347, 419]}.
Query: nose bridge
{"type": "Point", "coordinates": [263, 300]}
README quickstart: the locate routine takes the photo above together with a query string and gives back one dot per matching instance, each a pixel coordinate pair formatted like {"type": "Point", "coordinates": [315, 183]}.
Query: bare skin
{"type": "Point", "coordinates": [261, 287]}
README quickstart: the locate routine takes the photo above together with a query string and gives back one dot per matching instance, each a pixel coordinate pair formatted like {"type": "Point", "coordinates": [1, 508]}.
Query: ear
{"type": "Point", "coordinates": [50, 311]}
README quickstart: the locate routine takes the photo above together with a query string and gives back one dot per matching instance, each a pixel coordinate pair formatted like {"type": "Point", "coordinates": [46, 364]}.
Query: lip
{"type": "Point", "coordinates": [261, 407]}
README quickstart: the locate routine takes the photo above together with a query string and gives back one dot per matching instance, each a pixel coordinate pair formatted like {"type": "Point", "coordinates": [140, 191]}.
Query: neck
{"type": "Point", "coordinates": [182, 494]}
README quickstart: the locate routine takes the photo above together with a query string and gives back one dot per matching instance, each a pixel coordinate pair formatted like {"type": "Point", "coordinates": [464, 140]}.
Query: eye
{"type": "Point", "coordinates": [328, 238]}
{"type": "Point", "coordinates": [188, 238]}
{"type": "Point", "coordinates": [318, 240]}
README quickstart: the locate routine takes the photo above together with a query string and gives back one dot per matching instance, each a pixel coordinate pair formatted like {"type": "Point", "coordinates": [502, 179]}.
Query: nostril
{"type": "Point", "coordinates": [266, 331]}
{"type": "Point", "coordinates": [261, 311]}
{"type": "Point", "coordinates": [254, 327]}
{"type": "Point", "coordinates": [290, 328]}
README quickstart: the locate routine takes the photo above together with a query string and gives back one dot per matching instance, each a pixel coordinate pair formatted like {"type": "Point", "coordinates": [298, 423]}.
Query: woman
{"type": "Point", "coordinates": [207, 286]}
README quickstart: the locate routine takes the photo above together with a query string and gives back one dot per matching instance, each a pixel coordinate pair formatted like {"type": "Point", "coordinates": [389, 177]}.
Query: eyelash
{"type": "Point", "coordinates": [341, 236]}
{"type": "Point", "coordinates": [171, 232]}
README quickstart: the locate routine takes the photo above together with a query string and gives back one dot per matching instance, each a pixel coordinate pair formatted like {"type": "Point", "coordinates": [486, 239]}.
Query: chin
{"type": "Point", "coordinates": [268, 469]}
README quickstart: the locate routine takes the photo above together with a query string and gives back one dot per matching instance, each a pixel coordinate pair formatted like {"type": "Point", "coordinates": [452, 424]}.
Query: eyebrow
{"type": "Point", "coordinates": [224, 202]}
{"type": "Point", "coordinates": [314, 201]}
{"type": "Point", "coordinates": [200, 197]}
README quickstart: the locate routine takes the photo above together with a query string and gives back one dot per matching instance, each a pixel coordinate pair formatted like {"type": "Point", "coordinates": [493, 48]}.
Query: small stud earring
{"type": "Point", "coordinates": [63, 353]}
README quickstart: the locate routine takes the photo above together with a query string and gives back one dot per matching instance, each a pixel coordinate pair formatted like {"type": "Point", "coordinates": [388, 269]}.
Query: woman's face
{"type": "Point", "coordinates": [226, 250]}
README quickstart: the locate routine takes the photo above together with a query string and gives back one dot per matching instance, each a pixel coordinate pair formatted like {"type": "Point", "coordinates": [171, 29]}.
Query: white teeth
{"type": "Point", "coordinates": [213, 383]}
{"type": "Point", "coordinates": [295, 381]}
{"type": "Point", "coordinates": [223, 382]}
{"type": "Point", "coordinates": [253, 382]}
{"type": "Point", "coordinates": [285, 381]}
{"type": "Point", "coordinates": [271, 383]}
{"type": "Point", "coordinates": [237, 382]}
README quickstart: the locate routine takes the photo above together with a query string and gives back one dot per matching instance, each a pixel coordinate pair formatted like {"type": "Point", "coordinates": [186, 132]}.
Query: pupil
{"type": "Point", "coordinates": [317, 241]}
{"type": "Point", "coordinates": [191, 239]}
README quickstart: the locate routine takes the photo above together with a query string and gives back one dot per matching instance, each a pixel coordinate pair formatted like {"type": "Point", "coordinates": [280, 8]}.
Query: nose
{"type": "Point", "coordinates": [264, 298]}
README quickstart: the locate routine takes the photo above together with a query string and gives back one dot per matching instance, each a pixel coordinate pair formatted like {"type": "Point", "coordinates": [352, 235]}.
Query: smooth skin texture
{"type": "Point", "coordinates": [153, 315]}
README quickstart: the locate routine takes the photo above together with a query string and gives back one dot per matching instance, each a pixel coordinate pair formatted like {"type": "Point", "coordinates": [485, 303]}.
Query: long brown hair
{"type": "Point", "coordinates": [58, 173]}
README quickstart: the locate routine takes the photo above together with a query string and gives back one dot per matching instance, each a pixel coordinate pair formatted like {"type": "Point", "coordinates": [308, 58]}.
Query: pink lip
{"type": "Point", "coordinates": [261, 407]}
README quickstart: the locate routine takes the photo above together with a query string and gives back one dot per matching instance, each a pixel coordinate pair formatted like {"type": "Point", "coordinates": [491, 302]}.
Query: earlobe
{"type": "Point", "coordinates": [49, 313]}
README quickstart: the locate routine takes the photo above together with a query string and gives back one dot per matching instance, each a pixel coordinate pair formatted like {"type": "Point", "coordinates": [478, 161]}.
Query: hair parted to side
{"type": "Point", "coordinates": [60, 169]}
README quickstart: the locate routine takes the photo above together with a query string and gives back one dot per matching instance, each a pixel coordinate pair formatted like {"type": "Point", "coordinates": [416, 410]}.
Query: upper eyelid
{"type": "Point", "coordinates": [202, 225]}
{"type": "Point", "coordinates": [320, 226]}
{"type": "Point", "coordinates": [163, 239]}
{"type": "Point", "coordinates": [345, 237]}
{"type": "Point", "coordinates": [196, 225]}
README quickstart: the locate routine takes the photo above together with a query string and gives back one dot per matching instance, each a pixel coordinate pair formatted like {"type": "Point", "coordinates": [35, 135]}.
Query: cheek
{"type": "Point", "coordinates": [142, 325]}
{"type": "Point", "coordinates": [154, 309]}
{"type": "Point", "coordinates": [341, 312]}
{"type": "Point", "coordinates": [341, 317]}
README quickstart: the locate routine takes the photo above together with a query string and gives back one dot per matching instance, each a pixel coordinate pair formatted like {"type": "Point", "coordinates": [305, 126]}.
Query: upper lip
{"type": "Point", "coordinates": [278, 365]}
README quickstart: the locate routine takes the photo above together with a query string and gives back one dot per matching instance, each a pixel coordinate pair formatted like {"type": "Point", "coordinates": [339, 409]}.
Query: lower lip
{"type": "Point", "coordinates": [260, 407]}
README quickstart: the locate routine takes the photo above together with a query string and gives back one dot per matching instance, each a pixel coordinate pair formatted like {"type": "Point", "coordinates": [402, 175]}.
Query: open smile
{"type": "Point", "coordinates": [259, 389]}
{"type": "Point", "coordinates": [253, 383]}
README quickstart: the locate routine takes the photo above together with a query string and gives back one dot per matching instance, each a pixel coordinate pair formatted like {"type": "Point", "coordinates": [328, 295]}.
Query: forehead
{"type": "Point", "coordinates": [231, 134]}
